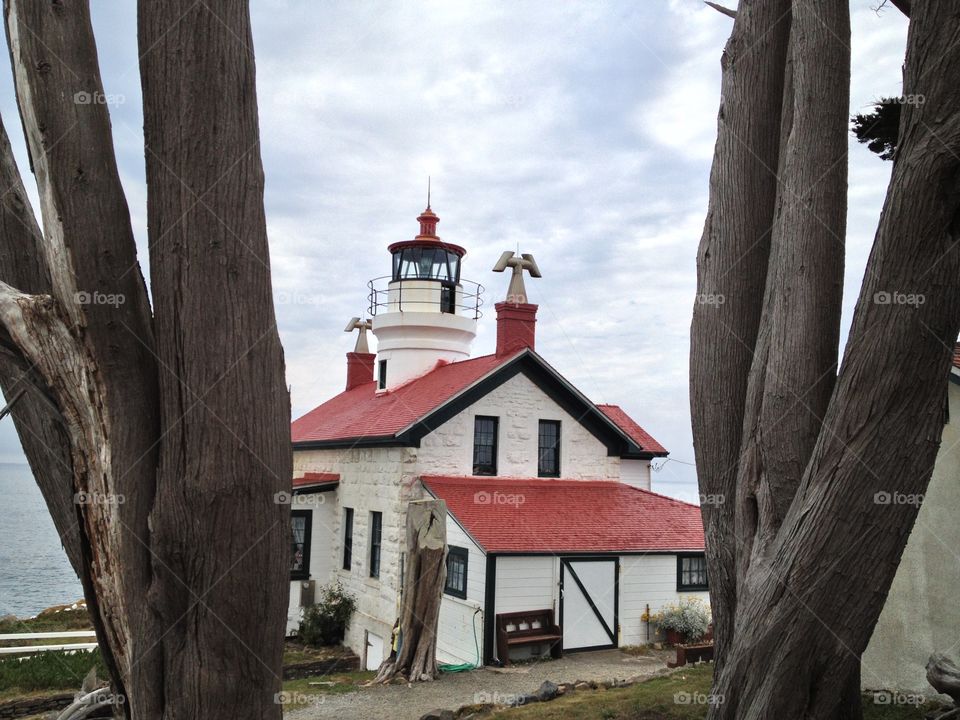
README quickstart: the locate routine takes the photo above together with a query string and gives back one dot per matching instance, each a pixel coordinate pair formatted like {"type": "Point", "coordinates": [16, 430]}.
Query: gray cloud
{"type": "Point", "coordinates": [582, 133]}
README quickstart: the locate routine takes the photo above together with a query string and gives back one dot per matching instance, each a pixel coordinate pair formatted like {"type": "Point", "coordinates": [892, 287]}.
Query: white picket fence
{"type": "Point", "coordinates": [67, 634]}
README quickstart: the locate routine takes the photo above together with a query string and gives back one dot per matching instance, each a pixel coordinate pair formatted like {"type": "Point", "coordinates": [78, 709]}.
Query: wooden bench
{"type": "Point", "coordinates": [533, 627]}
{"type": "Point", "coordinates": [693, 652]}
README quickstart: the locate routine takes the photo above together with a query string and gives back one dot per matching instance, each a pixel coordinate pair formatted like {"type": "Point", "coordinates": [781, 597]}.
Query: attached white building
{"type": "Point", "coordinates": [548, 494]}
{"type": "Point", "coordinates": [921, 614]}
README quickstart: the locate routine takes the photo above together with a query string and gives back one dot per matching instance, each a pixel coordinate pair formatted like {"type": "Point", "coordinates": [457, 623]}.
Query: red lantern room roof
{"type": "Point", "coordinates": [427, 237]}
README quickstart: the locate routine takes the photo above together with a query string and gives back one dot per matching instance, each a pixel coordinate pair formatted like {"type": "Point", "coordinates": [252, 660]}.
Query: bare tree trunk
{"type": "Point", "coordinates": [168, 434]}
{"type": "Point", "coordinates": [100, 307]}
{"type": "Point", "coordinates": [732, 269]}
{"type": "Point", "coordinates": [425, 573]}
{"type": "Point", "coordinates": [225, 414]}
{"type": "Point", "coordinates": [38, 422]}
{"type": "Point", "coordinates": [810, 520]}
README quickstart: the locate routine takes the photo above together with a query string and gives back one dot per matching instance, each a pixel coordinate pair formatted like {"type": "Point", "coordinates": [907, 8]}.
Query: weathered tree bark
{"type": "Point", "coordinates": [817, 451]}
{"type": "Point", "coordinates": [166, 435]}
{"type": "Point", "coordinates": [39, 424]}
{"type": "Point", "coordinates": [731, 275]}
{"type": "Point", "coordinates": [424, 576]}
{"type": "Point", "coordinates": [225, 413]}
{"type": "Point", "coordinates": [100, 299]}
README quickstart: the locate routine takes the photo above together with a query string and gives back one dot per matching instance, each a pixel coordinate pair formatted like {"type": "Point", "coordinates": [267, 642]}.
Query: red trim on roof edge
{"type": "Point", "coordinates": [316, 478]}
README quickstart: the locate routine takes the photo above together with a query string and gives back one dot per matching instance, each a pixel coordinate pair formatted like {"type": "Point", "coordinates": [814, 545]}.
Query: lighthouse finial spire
{"type": "Point", "coordinates": [428, 192]}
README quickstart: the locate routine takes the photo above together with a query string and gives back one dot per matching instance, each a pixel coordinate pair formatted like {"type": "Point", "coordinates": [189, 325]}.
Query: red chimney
{"type": "Point", "coordinates": [359, 368]}
{"type": "Point", "coordinates": [516, 327]}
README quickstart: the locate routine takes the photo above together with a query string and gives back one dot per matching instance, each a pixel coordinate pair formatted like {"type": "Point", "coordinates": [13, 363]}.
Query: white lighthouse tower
{"type": "Point", "coordinates": [423, 312]}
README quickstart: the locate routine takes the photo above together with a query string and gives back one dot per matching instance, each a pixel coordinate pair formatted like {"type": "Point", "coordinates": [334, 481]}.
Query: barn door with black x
{"type": "Point", "coordinates": [589, 602]}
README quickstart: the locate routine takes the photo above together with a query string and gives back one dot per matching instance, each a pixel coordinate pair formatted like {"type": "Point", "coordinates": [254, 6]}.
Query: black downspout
{"type": "Point", "coordinates": [490, 609]}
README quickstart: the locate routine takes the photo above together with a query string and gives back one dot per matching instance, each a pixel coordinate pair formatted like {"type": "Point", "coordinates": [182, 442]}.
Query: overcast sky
{"type": "Point", "coordinates": [581, 132]}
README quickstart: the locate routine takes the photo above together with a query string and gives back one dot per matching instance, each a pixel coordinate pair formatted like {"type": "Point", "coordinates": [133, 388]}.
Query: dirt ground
{"type": "Point", "coordinates": [499, 685]}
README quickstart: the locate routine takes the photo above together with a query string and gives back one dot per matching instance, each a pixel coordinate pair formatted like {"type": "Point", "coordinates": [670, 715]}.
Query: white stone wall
{"type": "Point", "coordinates": [921, 614]}
{"type": "Point", "coordinates": [370, 479]}
{"type": "Point", "coordinates": [520, 405]}
{"type": "Point", "coordinates": [647, 580]}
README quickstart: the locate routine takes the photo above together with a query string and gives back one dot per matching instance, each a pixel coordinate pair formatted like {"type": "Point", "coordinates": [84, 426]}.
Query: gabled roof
{"type": "Point", "coordinates": [362, 413]}
{"type": "Point", "coordinates": [402, 416]}
{"type": "Point", "coordinates": [626, 423]}
{"type": "Point", "coordinates": [524, 515]}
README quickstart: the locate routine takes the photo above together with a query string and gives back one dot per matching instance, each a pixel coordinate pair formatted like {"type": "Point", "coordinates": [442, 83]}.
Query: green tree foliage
{"type": "Point", "coordinates": [879, 128]}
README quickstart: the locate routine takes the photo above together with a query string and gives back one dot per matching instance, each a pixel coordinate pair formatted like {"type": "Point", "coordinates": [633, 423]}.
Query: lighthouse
{"type": "Point", "coordinates": [424, 312]}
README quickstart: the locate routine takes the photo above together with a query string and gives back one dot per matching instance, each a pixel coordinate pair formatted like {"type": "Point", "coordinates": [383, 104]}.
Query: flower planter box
{"type": "Point", "coordinates": [673, 637]}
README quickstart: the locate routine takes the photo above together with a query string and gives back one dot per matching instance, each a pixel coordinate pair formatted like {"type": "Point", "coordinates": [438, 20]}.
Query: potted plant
{"type": "Point", "coordinates": [687, 620]}
{"type": "Point", "coordinates": [326, 622]}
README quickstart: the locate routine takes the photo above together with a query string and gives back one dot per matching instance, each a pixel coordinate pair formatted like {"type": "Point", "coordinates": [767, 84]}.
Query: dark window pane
{"type": "Point", "coordinates": [347, 538]}
{"type": "Point", "coordinates": [456, 583]}
{"type": "Point", "coordinates": [548, 454]}
{"type": "Point", "coordinates": [485, 445]}
{"type": "Point", "coordinates": [448, 299]}
{"type": "Point", "coordinates": [300, 544]}
{"type": "Point", "coordinates": [376, 531]}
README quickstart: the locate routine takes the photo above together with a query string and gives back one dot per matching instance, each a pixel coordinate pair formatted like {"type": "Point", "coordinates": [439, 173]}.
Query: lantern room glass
{"type": "Point", "coordinates": [426, 263]}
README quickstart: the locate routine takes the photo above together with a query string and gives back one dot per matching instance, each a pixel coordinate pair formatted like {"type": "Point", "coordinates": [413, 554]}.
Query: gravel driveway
{"type": "Point", "coordinates": [403, 702]}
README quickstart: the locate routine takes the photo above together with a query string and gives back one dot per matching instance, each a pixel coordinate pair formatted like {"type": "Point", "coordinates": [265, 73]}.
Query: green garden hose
{"type": "Point", "coordinates": [464, 667]}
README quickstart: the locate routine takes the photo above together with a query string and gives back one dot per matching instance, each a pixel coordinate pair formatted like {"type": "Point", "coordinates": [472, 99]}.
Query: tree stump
{"type": "Point", "coordinates": [426, 571]}
{"type": "Point", "coordinates": [944, 676]}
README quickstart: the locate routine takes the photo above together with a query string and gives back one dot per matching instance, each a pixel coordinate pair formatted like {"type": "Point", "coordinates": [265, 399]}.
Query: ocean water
{"type": "Point", "coordinates": [34, 570]}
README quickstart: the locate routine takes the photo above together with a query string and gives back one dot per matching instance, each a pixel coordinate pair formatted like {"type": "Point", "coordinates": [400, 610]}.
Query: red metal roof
{"type": "Point", "coordinates": [313, 479]}
{"type": "Point", "coordinates": [363, 413]}
{"type": "Point", "coordinates": [626, 423]}
{"type": "Point", "coordinates": [523, 515]}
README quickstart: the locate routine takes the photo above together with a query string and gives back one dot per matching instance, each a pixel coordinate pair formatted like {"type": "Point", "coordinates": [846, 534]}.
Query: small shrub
{"type": "Point", "coordinates": [326, 622]}
{"type": "Point", "coordinates": [690, 617]}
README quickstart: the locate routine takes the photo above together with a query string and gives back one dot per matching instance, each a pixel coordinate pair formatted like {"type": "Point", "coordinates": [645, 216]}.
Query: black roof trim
{"type": "Point", "coordinates": [618, 443]}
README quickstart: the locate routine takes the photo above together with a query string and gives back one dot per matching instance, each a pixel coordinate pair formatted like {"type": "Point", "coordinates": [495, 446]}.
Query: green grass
{"type": "Point", "coordinates": [663, 699]}
{"type": "Point", "coordinates": [294, 653]}
{"type": "Point", "coordinates": [51, 622]}
{"type": "Point", "coordinates": [300, 692]}
{"type": "Point", "coordinates": [52, 670]}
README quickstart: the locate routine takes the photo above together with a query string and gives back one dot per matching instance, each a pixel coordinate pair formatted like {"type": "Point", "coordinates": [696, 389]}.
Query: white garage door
{"type": "Point", "coordinates": [589, 602]}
